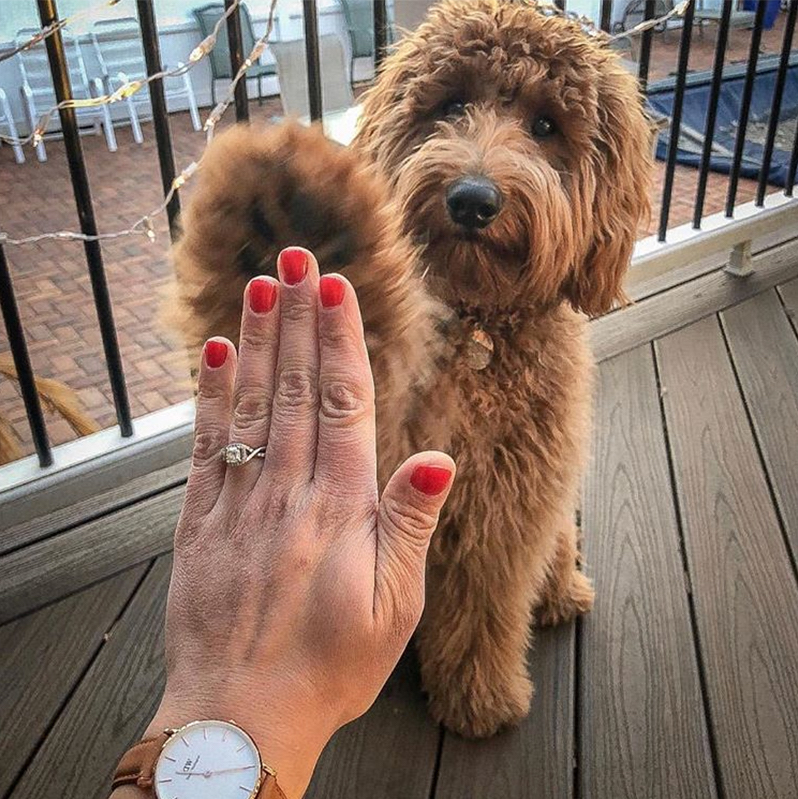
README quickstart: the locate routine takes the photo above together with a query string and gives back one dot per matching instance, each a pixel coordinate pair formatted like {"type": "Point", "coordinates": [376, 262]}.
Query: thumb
{"type": "Point", "coordinates": [408, 516]}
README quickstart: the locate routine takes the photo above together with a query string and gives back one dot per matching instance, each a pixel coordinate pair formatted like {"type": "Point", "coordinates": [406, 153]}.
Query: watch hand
{"type": "Point", "coordinates": [213, 773]}
{"type": "Point", "coordinates": [228, 770]}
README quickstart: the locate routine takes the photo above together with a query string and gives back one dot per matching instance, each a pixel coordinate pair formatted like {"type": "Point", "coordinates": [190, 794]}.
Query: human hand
{"type": "Point", "coordinates": [295, 588]}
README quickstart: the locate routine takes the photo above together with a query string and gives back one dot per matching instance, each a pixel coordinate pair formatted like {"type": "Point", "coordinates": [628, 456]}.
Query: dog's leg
{"type": "Point", "coordinates": [474, 636]}
{"type": "Point", "coordinates": [567, 592]}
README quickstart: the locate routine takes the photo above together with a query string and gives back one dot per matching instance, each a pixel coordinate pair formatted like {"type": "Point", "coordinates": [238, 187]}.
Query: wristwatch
{"type": "Point", "coordinates": [201, 760]}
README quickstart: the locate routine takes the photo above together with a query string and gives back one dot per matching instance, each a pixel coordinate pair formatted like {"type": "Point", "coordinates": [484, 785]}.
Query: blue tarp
{"type": "Point", "coordinates": [694, 114]}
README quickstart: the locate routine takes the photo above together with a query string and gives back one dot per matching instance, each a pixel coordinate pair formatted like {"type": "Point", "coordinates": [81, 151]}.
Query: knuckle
{"type": "Point", "coordinates": [207, 444]}
{"type": "Point", "coordinates": [254, 337]}
{"type": "Point", "coordinates": [410, 521]}
{"type": "Point", "coordinates": [336, 337]}
{"type": "Point", "coordinates": [251, 407]}
{"type": "Point", "coordinates": [297, 309]}
{"type": "Point", "coordinates": [210, 394]}
{"type": "Point", "coordinates": [295, 388]}
{"type": "Point", "coordinates": [342, 402]}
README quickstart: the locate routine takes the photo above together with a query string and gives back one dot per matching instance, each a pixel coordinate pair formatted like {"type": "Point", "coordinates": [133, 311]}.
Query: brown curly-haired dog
{"type": "Point", "coordinates": [504, 156]}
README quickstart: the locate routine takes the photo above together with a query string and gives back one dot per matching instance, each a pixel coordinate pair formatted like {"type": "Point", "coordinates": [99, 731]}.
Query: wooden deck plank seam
{"type": "Point", "coordinates": [436, 770]}
{"type": "Point", "coordinates": [576, 717]}
{"type": "Point", "coordinates": [759, 452]}
{"type": "Point", "coordinates": [790, 313]}
{"type": "Point", "coordinates": [688, 585]}
{"type": "Point", "coordinates": [76, 685]}
{"type": "Point", "coordinates": [80, 588]}
{"type": "Point", "coordinates": [91, 517]}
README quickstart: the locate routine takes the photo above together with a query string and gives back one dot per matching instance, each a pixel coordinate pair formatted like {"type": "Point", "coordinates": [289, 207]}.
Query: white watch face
{"type": "Point", "coordinates": [208, 760]}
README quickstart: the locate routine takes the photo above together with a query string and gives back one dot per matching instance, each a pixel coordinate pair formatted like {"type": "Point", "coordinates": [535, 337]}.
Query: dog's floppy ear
{"type": "Point", "coordinates": [621, 167]}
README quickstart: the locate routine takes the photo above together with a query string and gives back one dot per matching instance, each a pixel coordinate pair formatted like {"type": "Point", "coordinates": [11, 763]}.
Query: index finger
{"type": "Point", "coordinates": [346, 453]}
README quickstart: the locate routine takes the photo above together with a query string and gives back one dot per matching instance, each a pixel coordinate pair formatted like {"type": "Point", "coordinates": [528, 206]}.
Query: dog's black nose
{"type": "Point", "coordinates": [473, 202]}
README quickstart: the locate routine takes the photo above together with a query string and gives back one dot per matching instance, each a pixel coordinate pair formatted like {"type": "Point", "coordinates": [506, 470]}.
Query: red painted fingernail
{"type": "Point", "coordinates": [294, 265]}
{"type": "Point", "coordinates": [215, 353]}
{"type": "Point", "coordinates": [262, 295]}
{"type": "Point", "coordinates": [331, 290]}
{"type": "Point", "coordinates": [430, 480]}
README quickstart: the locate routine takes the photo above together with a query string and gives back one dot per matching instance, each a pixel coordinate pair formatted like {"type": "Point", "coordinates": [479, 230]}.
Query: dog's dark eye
{"type": "Point", "coordinates": [454, 108]}
{"type": "Point", "coordinates": [543, 127]}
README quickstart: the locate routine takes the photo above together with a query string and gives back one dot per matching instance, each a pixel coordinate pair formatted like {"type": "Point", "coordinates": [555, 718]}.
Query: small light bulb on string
{"type": "Point", "coordinates": [148, 228]}
{"type": "Point", "coordinates": [185, 175]}
{"type": "Point", "coordinates": [202, 49]}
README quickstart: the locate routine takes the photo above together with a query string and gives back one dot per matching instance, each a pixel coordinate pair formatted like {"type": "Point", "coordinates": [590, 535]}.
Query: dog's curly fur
{"type": "Point", "coordinates": [460, 96]}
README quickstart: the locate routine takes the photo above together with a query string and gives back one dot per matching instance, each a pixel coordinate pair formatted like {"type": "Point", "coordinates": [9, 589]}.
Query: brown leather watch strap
{"type": "Point", "coordinates": [269, 789]}
{"type": "Point", "coordinates": [138, 764]}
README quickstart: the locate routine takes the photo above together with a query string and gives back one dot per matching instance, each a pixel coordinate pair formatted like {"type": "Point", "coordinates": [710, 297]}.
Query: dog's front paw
{"type": "Point", "coordinates": [476, 708]}
{"type": "Point", "coordinates": [262, 189]}
{"type": "Point", "coordinates": [563, 606]}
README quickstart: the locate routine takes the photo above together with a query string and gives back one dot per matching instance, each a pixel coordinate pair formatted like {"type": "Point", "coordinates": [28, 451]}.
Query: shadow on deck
{"type": "Point", "coordinates": [681, 683]}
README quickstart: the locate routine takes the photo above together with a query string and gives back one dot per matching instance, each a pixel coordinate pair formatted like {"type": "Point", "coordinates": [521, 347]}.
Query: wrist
{"type": "Point", "coordinates": [290, 740]}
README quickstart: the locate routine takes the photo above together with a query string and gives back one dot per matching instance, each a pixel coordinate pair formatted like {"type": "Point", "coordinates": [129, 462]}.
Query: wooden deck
{"type": "Point", "coordinates": [682, 683]}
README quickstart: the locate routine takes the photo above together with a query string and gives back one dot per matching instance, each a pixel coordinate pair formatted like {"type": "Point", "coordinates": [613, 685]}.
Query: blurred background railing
{"type": "Point", "coordinates": [721, 82]}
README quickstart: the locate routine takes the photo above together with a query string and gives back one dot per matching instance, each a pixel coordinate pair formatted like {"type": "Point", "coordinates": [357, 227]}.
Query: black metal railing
{"type": "Point", "coordinates": [48, 14]}
{"type": "Point", "coordinates": [150, 39]}
{"type": "Point", "coordinates": [724, 21]}
{"type": "Point", "coordinates": [59, 70]}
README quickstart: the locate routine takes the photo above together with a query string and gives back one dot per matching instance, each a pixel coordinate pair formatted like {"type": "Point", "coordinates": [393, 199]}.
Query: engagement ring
{"type": "Point", "coordinates": [236, 454]}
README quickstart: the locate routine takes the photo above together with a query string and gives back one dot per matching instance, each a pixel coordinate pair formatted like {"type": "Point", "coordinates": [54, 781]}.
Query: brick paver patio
{"type": "Point", "coordinates": [52, 283]}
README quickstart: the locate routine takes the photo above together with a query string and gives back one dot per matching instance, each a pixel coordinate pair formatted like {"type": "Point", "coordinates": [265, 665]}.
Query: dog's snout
{"type": "Point", "coordinates": [473, 202]}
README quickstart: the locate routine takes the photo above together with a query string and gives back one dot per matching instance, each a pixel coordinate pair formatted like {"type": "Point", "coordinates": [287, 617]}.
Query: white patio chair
{"type": "Point", "coordinates": [38, 94]}
{"type": "Point", "coordinates": [336, 90]}
{"type": "Point", "coordinates": [117, 44]}
{"type": "Point", "coordinates": [7, 121]}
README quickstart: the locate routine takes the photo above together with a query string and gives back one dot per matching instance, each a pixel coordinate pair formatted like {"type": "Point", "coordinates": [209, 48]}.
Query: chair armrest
{"type": "Point", "coordinates": [4, 105]}
{"type": "Point", "coordinates": [96, 87]}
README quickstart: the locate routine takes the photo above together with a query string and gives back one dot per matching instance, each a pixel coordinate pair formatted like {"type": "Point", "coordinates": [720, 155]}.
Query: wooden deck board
{"type": "Point", "coordinates": [111, 707]}
{"type": "Point", "coordinates": [390, 753]}
{"type": "Point", "coordinates": [640, 703]}
{"type": "Point", "coordinates": [147, 485]}
{"type": "Point", "coordinates": [789, 296]}
{"type": "Point", "coordinates": [663, 313]}
{"type": "Point", "coordinates": [765, 352]}
{"type": "Point", "coordinates": [88, 553]}
{"type": "Point", "coordinates": [744, 591]}
{"type": "Point", "coordinates": [624, 694]}
{"type": "Point", "coordinates": [533, 761]}
{"type": "Point", "coordinates": [42, 658]}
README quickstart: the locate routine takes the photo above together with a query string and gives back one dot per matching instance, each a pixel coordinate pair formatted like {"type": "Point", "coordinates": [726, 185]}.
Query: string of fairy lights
{"type": "Point", "coordinates": [144, 225]}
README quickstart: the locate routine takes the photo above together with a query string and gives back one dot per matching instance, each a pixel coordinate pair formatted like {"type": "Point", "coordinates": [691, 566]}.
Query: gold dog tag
{"type": "Point", "coordinates": [479, 351]}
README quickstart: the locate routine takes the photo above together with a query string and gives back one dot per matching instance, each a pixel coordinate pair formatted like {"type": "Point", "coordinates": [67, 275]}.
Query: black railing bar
{"type": "Point", "coordinates": [676, 119]}
{"type": "Point", "coordinates": [48, 14]}
{"type": "Point", "coordinates": [606, 15]}
{"type": "Point", "coordinates": [380, 33]}
{"type": "Point", "coordinates": [19, 352]}
{"type": "Point", "coordinates": [745, 103]}
{"type": "Point", "coordinates": [645, 46]}
{"type": "Point", "coordinates": [235, 39]}
{"type": "Point", "coordinates": [160, 117]}
{"type": "Point", "coordinates": [311, 22]}
{"type": "Point", "coordinates": [712, 113]}
{"type": "Point", "coordinates": [775, 110]}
